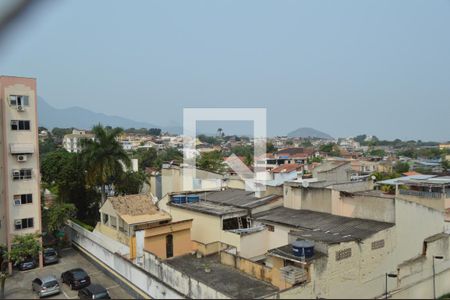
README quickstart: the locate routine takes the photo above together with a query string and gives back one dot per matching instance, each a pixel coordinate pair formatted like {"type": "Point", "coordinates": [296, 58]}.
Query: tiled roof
{"type": "Point", "coordinates": [286, 168]}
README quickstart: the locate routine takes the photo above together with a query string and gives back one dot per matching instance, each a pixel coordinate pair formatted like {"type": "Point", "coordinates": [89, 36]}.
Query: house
{"type": "Point", "coordinates": [134, 217]}
{"type": "Point", "coordinates": [333, 171]}
{"type": "Point", "coordinates": [221, 217]}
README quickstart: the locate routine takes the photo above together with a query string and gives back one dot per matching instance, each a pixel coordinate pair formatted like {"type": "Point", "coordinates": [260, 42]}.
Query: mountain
{"type": "Point", "coordinates": [305, 132]}
{"type": "Point", "coordinates": [82, 118]}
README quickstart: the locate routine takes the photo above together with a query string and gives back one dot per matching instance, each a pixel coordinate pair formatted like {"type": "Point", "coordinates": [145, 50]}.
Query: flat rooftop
{"type": "Point", "coordinates": [323, 226]}
{"type": "Point", "coordinates": [236, 197]}
{"type": "Point", "coordinates": [224, 279]}
{"type": "Point", "coordinates": [211, 208]}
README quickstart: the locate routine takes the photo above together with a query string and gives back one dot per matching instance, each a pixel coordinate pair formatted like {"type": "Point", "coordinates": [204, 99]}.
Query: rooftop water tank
{"type": "Point", "coordinates": [179, 199]}
{"type": "Point", "coordinates": [303, 248]}
{"type": "Point", "coordinates": [193, 198]}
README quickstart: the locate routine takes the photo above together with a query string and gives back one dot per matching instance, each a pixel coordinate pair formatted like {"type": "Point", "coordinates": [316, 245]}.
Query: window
{"type": "Point", "coordinates": [343, 254]}
{"type": "Point", "coordinates": [23, 199]}
{"type": "Point", "coordinates": [378, 244]}
{"type": "Point", "coordinates": [22, 174]}
{"type": "Point", "coordinates": [169, 246]}
{"type": "Point", "coordinates": [105, 219]}
{"type": "Point", "coordinates": [270, 228]}
{"type": "Point", "coordinates": [16, 100]}
{"type": "Point", "coordinates": [20, 125]}
{"type": "Point", "coordinates": [113, 222]}
{"type": "Point", "coordinates": [24, 223]}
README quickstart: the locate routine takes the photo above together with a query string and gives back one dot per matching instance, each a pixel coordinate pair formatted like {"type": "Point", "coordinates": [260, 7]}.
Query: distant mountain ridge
{"type": "Point", "coordinates": [82, 118]}
{"type": "Point", "coordinates": [305, 132]}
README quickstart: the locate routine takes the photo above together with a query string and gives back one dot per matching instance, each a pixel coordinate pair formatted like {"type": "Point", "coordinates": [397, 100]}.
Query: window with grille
{"type": "Point", "coordinates": [20, 125]}
{"type": "Point", "coordinates": [23, 199]}
{"type": "Point", "coordinates": [22, 174]}
{"type": "Point", "coordinates": [24, 223]}
{"type": "Point", "coordinates": [343, 254]}
{"type": "Point", "coordinates": [378, 244]}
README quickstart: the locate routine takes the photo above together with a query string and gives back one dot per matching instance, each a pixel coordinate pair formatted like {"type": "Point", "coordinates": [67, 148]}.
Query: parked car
{"type": "Point", "coordinates": [46, 286]}
{"type": "Point", "coordinates": [27, 264]}
{"type": "Point", "coordinates": [94, 291]}
{"type": "Point", "coordinates": [50, 256]}
{"type": "Point", "coordinates": [76, 278]}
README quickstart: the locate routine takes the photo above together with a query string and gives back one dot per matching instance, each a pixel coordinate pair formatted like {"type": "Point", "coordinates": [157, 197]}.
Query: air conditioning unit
{"type": "Point", "coordinates": [16, 173]}
{"type": "Point", "coordinates": [20, 108]}
{"type": "Point", "coordinates": [22, 158]}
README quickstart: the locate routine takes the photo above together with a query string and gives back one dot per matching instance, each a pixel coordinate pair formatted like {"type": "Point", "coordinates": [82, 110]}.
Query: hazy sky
{"type": "Point", "coordinates": [343, 67]}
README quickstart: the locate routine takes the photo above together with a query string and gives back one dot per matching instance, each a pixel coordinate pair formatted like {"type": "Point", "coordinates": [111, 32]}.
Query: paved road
{"type": "Point", "coordinates": [19, 285]}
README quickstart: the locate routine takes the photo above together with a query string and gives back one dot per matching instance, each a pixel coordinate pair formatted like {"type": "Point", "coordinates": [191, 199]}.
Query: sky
{"type": "Point", "coordinates": [342, 67]}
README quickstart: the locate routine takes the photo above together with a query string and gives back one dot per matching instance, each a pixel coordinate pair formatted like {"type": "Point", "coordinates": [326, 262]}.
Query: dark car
{"type": "Point", "coordinates": [50, 256]}
{"type": "Point", "coordinates": [76, 278]}
{"type": "Point", "coordinates": [94, 291]}
{"type": "Point", "coordinates": [27, 264]}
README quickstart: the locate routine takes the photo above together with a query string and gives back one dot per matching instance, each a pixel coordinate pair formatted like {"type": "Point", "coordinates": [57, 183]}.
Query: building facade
{"type": "Point", "coordinates": [20, 211]}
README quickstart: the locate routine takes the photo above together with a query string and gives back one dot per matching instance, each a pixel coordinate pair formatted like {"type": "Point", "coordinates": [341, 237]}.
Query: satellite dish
{"type": "Point", "coordinates": [373, 177]}
{"type": "Point", "coordinates": [305, 184]}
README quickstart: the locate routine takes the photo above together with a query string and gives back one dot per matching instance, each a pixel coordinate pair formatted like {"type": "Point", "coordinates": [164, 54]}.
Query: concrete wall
{"type": "Point", "coordinates": [316, 199]}
{"type": "Point", "coordinates": [135, 275]}
{"type": "Point", "coordinates": [364, 207]}
{"type": "Point", "coordinates": [249, 267]}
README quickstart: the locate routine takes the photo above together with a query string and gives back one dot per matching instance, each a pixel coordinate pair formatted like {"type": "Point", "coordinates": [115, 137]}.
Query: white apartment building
{"type": "Point", "coordinates": [72, 142]}
{"type": "Point", "coordinates": [20, 207]}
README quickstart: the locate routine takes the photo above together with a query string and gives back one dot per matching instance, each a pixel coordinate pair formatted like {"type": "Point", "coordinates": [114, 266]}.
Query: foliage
{"type": "Point", "coordinates": [24, 246]}
{"type": "Point", "coordinates": [154, 131]}
{"type": "Point", "coordinates": [211, 161]}
{"type": "Point", "coordinates": [55, 217]}
{"type": "Point", "coordinates": [244, 150]}
{"type": "Point", "coordinates": [169, 154]}
{"type": "Point", "coordinates": [146, 157]}
{"type": "Point", "coordinates": [270, 148]}
{"type": "Point", "coordinates": [445, 164]}
{"type": "Point", "coordinates": [331, 149]}
{"type": "Point", "coordinates": [84, 225]}
{"type": "Point", "coordinates": [104, 157]}
{"type": "Point", "coordinates": [401, 167]}
{"type": "Point", "coordinates": [377, 152]}
{"type": "Point", "coordinates": [212, 140]}
{"type": "Point", "coordinates": [314, 159]}
{"type": "Point", "coordinates": [130, 183]}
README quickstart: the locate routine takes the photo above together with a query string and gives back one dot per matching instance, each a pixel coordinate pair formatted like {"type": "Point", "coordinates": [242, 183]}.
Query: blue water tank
{"type": "Point", "coordinates": [179, 199]}
{"type": "Point", "coordinates": [302, 248]}
{"type": "Point", "coordinates": [193, 198]}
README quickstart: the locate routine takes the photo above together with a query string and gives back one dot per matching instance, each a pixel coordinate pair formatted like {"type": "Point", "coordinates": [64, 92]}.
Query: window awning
{"type": "Point", "coordinates": [21, 148]}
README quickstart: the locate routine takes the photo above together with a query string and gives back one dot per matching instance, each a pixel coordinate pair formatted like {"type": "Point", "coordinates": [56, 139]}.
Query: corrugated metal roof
{"type": "Point", "coordinates": [236, 197]}
{"type": "Point", "coordinates": [323, 226]}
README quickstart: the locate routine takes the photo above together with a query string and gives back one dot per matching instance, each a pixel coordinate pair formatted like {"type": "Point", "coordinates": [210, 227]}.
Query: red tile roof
{"type": "Point", "coordinates": [286, 168]}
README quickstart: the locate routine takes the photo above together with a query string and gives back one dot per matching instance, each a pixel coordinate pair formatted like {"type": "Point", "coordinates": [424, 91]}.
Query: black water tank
{"type": "Point", "coordinates": [302, 248]}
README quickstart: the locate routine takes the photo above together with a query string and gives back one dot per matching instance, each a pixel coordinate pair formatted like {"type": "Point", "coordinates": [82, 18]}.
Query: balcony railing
{"type": "Point", "coordinates": [422, 194]}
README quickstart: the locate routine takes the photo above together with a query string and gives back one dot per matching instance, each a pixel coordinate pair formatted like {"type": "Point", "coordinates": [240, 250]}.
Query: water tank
{"type": "Point", "coordinates": [193, 198]}
{"type": "Point", "coordinates": [302, 248]}
{"type": "Point", "coordinates": [179, 199]}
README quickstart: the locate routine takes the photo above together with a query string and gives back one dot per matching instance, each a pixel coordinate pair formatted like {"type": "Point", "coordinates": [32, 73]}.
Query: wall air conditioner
{"type": "Point", "coordinates": [16, 173]}
{"type": "Point", "coordinates": [20, 108]}
{"type": "Point", "coordinates": [21, 158]}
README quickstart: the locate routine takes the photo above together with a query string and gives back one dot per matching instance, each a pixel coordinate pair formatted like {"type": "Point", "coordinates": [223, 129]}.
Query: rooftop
{"type": "Point", "coordinates": [210, 208]}
{"type": "Point", "coordinates": [237, 198]}
{"type": "Point", "coordinates": [286, 168]}
{"type": "Point", "coordinates": [323, 226]}
{"type": "Point", "coordinates": [139, 208]}
{"type": "Point", "coordinates": [224, 279]}
{"type": "Point", "coordinates": [286, 253]}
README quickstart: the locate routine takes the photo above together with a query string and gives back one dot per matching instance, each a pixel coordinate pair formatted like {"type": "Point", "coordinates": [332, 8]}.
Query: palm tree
{"type": "Point", "coordinates": [104, 157]}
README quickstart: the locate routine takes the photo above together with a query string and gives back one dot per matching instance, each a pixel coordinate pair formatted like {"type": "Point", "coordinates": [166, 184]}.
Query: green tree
{"type": "Point", "coordinates": [130, 183]}
{"type": "Point", "coordinates": [270, 148]}
{"type": "Point", "coordinates": [154, 131]}
{"type": "Point", "coordinates": [146, 158]}
{"type": "Point", "coordinates": [401, 167]}
{"type": "Point", "coordinates": [211, 161]}
{"type": "Point", "coordinates": [377, 152]}
{"type": "Point", "coordinates": [3, 269]}
{"type": "Point", "coordinates": [55, 217]}
{"type": "Point", "coordinates": [169, 154]}
{"type": "Point", "coordinates": [445, 164]}
{"type": "Point", "coordinates": [104, 158]}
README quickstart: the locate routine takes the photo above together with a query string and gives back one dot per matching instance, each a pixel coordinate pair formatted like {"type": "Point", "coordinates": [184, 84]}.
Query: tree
{"type": "Point", "coordinates": [270, 148]}
{"type": "Point", "coordinates": [211, 161]}
{"type": "Point", "coordinates": [331, 149]}
{"type": "Point", "coordinates": [3, 269]}
{"type": "Point", "coordinates": [146, 158]}
{"type": "Point", "coordinates": [401, 167]}
{"type": "Point", "coordinates": [55, 217]}
{"type": "Point", "coordinates": [130, 183]}
{"type": "Point", "coordinates": [104, 157]}
{"type": "Point", "coordinates": [377, 152]}
{"type": "Point", "coordinates": [169, 154]}
{"type": "Point", "coordinates": [445, 164]}
{"type": "Point", "coordinates": [154, 131]}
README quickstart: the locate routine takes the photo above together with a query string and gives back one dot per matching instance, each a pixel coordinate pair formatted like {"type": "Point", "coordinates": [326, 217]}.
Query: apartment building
{"type": "Point", "coordinates": [73, 142]}
{"type": "Point", "coordinates": [20, 211]}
